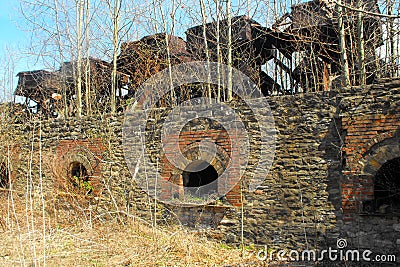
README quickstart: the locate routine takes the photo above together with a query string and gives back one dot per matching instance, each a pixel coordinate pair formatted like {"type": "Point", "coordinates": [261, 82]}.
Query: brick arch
{"type": "Point", "coordinates": [85, 152]}
{"type": "Point", "coordinates": [364, 164]}
{"type": "Point", "coordinates": [380, 154]}
{"type": "Point", "coordinates": [378, 139]}
{"type": "Point", "coordinates": [219, 162]}
{"type": "Point", "coordinates": [360, 157]}
{"type": "Point", "coordinates": [82, 156]}
{"type": "Point", "coordinates": [191, 152]}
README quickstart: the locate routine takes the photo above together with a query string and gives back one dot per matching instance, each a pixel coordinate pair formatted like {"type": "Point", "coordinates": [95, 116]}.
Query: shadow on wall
{"type": "Point", "coordinates": [332, 144]}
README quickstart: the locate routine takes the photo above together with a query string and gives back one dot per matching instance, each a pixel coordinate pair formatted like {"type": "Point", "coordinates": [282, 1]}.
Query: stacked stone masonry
{"type": "Point", "coordinates": [329, 147]}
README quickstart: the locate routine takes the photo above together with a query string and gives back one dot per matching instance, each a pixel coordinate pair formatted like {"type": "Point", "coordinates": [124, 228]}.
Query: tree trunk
{"type": "Point", "coordinates": [218, 54]}
{"type": "Point", "coordinates": [390, 30]}
{"type": "Point", "coordinates": [342, 44]}
{"type": "Point", "coordinates": [117, 6]}
{"type": "Point", "coordinates": [87, 66]}
{"type": "Point", "coordinates": [361, 48]}
{"type": "Point", "coordinates": [229, 61]}
{"type": "Point", "coordinates": [79, 24]}
{"type": "Point", "coordinates": [204, 20]}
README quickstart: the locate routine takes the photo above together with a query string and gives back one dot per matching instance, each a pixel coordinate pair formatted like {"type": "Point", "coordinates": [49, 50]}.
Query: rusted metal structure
{"type": "Point", "coordinates": [53, 90]}
{"type": "Point", "coordinates": [249, 47]}
{"type": "Point", "coordinates": [303, 47]}
{"type": "Point", "coordinates": [304, 44]}
{"type": "Point", "coordinates": [143, 58]}
{"type": "Point", "coordinates": [311, 31]}
{"type": "Point", "coordinates": [39, 86]}
{"type": "Point", "coordinates": [96, 76]}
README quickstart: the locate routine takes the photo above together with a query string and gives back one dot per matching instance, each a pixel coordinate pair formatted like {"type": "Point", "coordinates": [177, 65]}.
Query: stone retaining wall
{"type": "Point", "coordinates": [328, 149]}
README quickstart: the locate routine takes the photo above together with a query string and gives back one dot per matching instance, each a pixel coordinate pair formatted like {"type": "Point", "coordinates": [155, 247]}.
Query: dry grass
{"type": "Point", "coordinates": [28, 240]}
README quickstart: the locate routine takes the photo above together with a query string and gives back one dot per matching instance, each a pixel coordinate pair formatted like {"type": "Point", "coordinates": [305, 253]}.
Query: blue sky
{"type": "Point", "coordinates": [10, 35]}
{"type": "Point", "coordinates": [12, 42]}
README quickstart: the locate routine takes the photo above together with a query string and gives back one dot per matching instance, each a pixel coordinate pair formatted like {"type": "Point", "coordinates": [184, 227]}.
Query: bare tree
{"type": "Point", "coordinates": [7, 76]}
{"type": "Point", "coordinates": [391, 37]}
{"type": "Point", "coordinates": [115, 15]}
{"type": "Point", "coordinates": [88, 94]}
{"type": "Point", "coordinates": [361, 51]}
{"type": "Point", "coordinates": [342, 43]}
{"type": "Point", "coordinates": [229, 61]}
{"type": "Point", "coordinates": [204, 20]}
{"type": "Point", "coordinates": [79, 29]}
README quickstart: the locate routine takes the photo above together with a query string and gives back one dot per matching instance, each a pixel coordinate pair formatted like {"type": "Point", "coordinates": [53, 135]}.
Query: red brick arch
{"type": "Point", "coordinates": [370, 158]}
{"type": "Point", "coordinates": [189, 143]}
{"type": "Point", "coordinates": [380, 155]}
{"type": "Point", "coordinates": [219, 162]}
{"type": "Point", "coordinates": [85, 152]}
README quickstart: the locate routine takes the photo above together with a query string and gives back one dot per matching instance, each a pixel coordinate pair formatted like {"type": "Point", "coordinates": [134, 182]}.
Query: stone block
{"type": "Point", "coordinates": [396, 227]}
